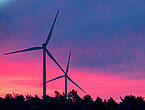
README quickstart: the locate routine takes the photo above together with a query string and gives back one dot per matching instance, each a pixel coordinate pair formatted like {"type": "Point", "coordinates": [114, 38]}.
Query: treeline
{"type": "Point", "coordinates": [74, 102]}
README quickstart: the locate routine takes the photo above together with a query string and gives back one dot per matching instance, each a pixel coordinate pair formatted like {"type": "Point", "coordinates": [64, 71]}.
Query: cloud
{"type": "Point", "coordinates": [110, 37]}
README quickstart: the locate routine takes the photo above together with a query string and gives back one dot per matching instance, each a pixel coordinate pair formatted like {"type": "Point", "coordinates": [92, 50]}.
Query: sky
{"type": "Point", "coordinates": [106, 38]}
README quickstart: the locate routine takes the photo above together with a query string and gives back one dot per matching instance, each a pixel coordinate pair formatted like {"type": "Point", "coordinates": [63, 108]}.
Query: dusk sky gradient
{"type": "Point", "coordinates": [107, 39]}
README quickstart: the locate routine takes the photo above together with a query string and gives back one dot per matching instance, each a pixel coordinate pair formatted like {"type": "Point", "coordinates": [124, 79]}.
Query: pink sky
{"type": "Point", "coordinates": [24, 77]}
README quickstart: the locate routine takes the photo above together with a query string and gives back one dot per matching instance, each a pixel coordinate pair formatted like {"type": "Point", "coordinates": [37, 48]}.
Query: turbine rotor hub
{"type": "Point", "coordinates": [43, 45]}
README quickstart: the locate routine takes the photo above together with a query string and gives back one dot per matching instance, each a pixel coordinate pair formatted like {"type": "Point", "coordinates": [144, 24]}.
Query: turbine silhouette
{"type": "Point", "coordinates": [45, 50]}
{"type": "Point", "coordinates": [66, 77]}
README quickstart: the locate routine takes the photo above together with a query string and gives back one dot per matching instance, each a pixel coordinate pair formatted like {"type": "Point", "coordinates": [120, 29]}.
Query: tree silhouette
{"type": "Point", "coordinates": [87, 99]}
{"type": "Point", "coordinates": [112, 104]}
{"type": "Point", "coordinates": [74, 96]}
{"type": "Point", "coordinates": [131, 102]}
{"type": "Point", "coordinates": [74, 102]}
{"type": "Point", "coordinates": [59, 96]}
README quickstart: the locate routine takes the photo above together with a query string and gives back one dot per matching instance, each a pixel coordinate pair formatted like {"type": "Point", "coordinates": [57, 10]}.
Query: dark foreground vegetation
{"type": "Point", "coordinates": [74, 102]}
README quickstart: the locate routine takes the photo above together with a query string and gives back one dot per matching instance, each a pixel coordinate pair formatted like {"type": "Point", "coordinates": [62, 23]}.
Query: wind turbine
{"type": "Point", "coordinates": [45, 50]}
{"type": "Point", "coordinates": [67, 77]}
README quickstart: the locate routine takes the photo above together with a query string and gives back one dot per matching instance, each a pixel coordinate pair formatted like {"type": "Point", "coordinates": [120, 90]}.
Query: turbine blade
{"type": "Point", "coordinates": [29, 49]}
{"type": "Point", "coordinates": [68, 62]}
{"type": "Point", "coordinates": [55, 78]}
{"type": "Point", "coordinates": [50, 33]}
{"type": "Point", "coordinates": [75, 84]}
{"type": "Point", "coordinates": [50, 55]}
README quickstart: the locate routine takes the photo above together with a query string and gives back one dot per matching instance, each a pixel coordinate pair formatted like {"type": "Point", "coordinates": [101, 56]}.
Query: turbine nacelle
{"type": "Point", "coordinates": [44, 45]}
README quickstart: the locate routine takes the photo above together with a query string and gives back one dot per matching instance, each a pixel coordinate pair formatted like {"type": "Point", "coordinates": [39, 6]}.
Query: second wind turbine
{"type": "Point", "coordinates": [66, 77]}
